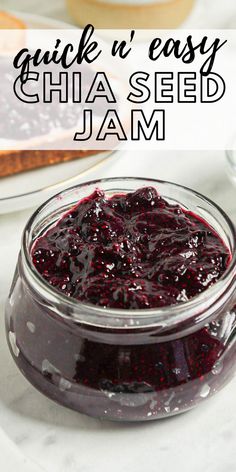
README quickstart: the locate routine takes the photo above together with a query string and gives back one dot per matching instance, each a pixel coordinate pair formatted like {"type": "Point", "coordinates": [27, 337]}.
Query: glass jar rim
{"type": "Point", "coordinates": [166, 316]}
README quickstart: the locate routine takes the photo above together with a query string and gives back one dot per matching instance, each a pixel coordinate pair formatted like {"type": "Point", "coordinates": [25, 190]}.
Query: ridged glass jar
{"type": "Point", "coordinates": [127, 365]}
{"type": "Point", "coordinates": [231, 164]}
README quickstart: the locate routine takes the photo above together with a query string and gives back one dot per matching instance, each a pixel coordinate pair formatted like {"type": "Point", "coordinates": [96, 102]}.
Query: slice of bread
{"type": "Point", "coordinates": [8, 21]}
{"type": "Point", "coordinates": [10, 45]}
{"type": "Point", "coordinates": [15, 161]}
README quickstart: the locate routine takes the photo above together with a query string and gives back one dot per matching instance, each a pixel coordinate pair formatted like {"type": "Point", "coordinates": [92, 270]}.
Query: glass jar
{"type": "Point", "coordinates": [127, 365]}
{"type": "Point", "coordinates": [126, 14]}
{"type": "Point", "coordinates": [231, 164]}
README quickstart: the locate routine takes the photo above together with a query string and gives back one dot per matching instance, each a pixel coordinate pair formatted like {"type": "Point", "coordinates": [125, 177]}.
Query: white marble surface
{"type": "Point", "coordinates": [35, 433]}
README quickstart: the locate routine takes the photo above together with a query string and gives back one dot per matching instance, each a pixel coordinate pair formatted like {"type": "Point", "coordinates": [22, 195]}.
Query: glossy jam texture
{"type": "Point", "coordinates": [130, 251]}
{"type": "Point", "coordinates": [127, 251]}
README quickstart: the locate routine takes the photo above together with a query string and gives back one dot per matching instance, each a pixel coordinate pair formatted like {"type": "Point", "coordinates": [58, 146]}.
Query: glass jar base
{"type": "Point", "coordinates": [113, 407]}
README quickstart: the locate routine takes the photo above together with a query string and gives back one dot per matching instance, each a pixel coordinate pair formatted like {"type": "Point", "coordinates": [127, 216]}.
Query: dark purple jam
{"type": "Point", "coordinates": [130, 251]}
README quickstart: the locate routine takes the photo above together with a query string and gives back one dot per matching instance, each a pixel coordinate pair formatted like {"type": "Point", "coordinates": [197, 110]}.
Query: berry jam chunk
{"type": "Point", "coordinates": [130, 251]}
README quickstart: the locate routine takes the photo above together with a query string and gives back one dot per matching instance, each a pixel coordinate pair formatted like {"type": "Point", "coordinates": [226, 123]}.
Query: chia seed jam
{"type": "Point", "coordinates": [133, 253]}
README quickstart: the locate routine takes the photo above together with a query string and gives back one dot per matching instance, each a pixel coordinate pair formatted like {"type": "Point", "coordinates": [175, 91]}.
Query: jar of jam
{"type": "Point", "coordinates": [134, 14]}
{"type": "Point", "coordinates": [123, 300]}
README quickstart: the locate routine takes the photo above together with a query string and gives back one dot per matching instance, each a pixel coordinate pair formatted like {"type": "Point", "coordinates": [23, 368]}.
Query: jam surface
{"type": "Point", "coordinates": [130, 251]}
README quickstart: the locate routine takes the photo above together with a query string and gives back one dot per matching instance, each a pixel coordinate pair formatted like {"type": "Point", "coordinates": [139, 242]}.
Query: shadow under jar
{"type": "Point", "coordinates": [128, 365]}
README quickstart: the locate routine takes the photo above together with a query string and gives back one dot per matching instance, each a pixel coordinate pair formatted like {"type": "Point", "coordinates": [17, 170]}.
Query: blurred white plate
{"type": "Point", "coordinates": [29, 189]}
